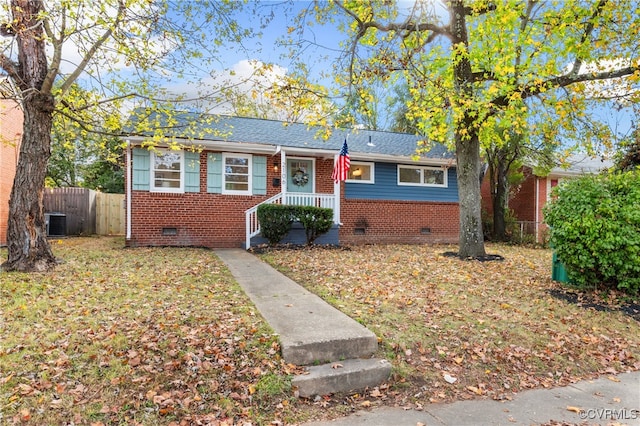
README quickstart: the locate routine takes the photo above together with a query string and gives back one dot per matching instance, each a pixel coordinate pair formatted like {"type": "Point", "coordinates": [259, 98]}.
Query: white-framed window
{"type": "Point", "coordinates": [361, 172]}
{"type": "Point", "coordinates": [422, 176]}
{"type": "Point", "coordinates": [167, 170]}
{"type": "Point", "coordinates": [236, 174]}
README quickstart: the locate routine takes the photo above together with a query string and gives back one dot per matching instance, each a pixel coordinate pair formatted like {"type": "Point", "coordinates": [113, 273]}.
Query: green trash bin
{"type": "Point", "coordinates": [558, 271]}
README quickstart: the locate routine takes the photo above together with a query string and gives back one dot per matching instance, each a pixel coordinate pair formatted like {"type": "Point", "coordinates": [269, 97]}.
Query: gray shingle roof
{"type": "Point", "coordinates": [293, 135]}
{"type": "Point", "coordinates": [581, 164]}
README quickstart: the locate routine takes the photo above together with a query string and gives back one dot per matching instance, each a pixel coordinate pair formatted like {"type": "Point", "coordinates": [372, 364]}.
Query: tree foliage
{"type": "Point", "coordinates": [595, 230]}
{"type": "Point", "coordinates": [629, 159]}
{"type": "Point", "coordinates": [82, 155]}
{"type": "Point", "coordinates": [270, 93]}
{"type": "Point", "coordinates": [123, 52]}
{"type": "Point", "coordinates": [531, 66]}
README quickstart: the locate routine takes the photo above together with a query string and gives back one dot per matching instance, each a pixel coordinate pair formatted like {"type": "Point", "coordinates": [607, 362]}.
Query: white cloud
{"type": "Point", "coordinates": [248, 77]}
{"type": "Point", "coordinates": [619, 89]}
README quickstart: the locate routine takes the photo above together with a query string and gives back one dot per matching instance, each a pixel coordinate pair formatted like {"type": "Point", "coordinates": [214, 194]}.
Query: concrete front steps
{"type": "Point", "coordinates": [343, 376]}
{"type": "Point", "coordinates": [336, 349]}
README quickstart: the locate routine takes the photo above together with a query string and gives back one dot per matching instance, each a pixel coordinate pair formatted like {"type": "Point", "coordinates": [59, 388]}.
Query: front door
{"type": "Point", "coordinates": [300, 175]}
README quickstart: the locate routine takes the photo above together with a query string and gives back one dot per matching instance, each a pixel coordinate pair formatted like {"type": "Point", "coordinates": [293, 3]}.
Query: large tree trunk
{"type": "Point", "coordinates": [467, 142]}
{"type": "Point", "coordinates": [27, 242]}
{"type": "Point", "coordinates": [468, 169]}
{"type": "Point", "coordinates": [28, 248]}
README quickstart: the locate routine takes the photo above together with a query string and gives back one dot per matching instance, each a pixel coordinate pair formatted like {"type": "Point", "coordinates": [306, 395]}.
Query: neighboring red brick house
{"type": "Point", "coordinates": [207, 196]}
{"type": "Point", "coordinates": [11, 118]}
{"type": "Point", "coordinates": [528, 199]}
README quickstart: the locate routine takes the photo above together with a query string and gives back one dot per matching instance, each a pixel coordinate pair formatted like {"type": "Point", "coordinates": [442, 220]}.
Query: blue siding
{"type": "Point", "coordinates": [386, 187]}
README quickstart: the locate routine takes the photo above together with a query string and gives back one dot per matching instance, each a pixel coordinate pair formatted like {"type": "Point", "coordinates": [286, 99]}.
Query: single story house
{"type": "Point", "coordinates": [11, 118]}
{"type": "Point", "coordinates": [207, 193]}
{"type": "Point", "coordinates": [527, 199]}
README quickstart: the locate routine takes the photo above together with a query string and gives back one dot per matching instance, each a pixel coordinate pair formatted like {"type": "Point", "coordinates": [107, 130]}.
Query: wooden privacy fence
{"type": "Point", "coordinates": [81, 211]}
{"type": "Point", "coordinates": [109, 214]}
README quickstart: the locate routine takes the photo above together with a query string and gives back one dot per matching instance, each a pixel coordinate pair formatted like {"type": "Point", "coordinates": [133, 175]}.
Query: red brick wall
{"type": "Point", "coordinates": [200, 219]}
{"type": "Point", "coordinates": [485, 193]}
{"type": "Point", "coordinates": [324, 168]}
{"type": "Point", "coordinates": [11, 119]}
{"type": "Point", "coordinates": [523, 197]}
{"type": "Point", "coordinates": [217, 220]}
{"type": "Point", "coordinates": [389, 222]}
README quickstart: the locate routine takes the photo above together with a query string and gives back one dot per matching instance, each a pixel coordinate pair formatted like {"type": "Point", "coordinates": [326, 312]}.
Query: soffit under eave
{"type": "Point", "coordinates": [299, 151]}
{"type": "Point", "coordinates": [211, 145]}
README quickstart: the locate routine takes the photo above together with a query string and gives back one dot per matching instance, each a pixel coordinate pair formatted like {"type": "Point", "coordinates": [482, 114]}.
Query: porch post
{"type": "Point", "coordinates": [283, 175]}
{"type": "Point", "coordinates": [336, 194]}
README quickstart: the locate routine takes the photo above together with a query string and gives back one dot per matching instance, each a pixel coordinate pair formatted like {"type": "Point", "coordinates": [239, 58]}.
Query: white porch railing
{"type": "Point", "coordinates": [290, 198]}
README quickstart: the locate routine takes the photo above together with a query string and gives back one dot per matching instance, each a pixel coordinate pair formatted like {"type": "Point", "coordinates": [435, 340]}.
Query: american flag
{"type": "Point", "coordinates": [341, 169]}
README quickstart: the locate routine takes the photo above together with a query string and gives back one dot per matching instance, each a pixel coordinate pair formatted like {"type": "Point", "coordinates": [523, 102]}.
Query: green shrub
{"type": "Point", "coordinates": [275, 221]}
{"type": "Point", "coordinates": [316, 221]}
{"type": "Point", "coordinates": [595, 230]}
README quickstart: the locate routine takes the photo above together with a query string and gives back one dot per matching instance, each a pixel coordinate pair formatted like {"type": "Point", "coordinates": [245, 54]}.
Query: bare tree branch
{"type": "Point", "coordinates": [92, 51]}
{"type": "Point", "coordinates": [531, 90]}
{"type": "Point", "coordinates": [9, 67]}
{"type": "Point", "coordinates": [407, 26]}
{"type": "Point", "coordinates": [57, 43]}
{"type": "Point", "coordinates": [566, 80]}
{"type": "Point", "coordinates": [588, 30]}
{"type": "Point", "coordinates": [403, 29]}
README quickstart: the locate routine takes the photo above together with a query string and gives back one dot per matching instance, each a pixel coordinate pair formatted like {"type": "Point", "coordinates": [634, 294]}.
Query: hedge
{"type": "Point", "coordinates": [276, 221]}
{"type": "Point", "coordinates": [595, 230]}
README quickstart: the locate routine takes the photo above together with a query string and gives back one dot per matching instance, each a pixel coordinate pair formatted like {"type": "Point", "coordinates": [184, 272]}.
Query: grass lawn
{"type": "Point", "coordinates": [457, 329]}
{"type": "Point", "coordinates": [165, 335]}
{"type": "Point", "coordinates": [135, 336]}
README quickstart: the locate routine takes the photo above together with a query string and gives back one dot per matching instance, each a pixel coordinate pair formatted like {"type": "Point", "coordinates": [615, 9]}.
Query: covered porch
{"type": "Point", "coordinates": [304, 181]}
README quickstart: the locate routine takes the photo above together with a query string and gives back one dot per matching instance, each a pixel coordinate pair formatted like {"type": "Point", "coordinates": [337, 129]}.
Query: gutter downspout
{"type": "Point", "coordinates": [128, 190]}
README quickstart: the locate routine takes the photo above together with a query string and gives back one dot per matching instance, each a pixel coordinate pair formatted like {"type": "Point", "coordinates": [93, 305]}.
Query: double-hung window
{"type": "Point", "coordinates": [236, 174]}
{"type": "Point", "coordinates": [422, 176]}
{"type": "Point", "coordinates": [167, 170]}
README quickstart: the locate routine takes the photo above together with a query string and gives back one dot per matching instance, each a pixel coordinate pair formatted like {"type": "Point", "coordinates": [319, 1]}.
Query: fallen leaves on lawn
{"type": "Point", "coordinates": [136, 336]}
{"type": "Point", "coordinates": [459, 329]}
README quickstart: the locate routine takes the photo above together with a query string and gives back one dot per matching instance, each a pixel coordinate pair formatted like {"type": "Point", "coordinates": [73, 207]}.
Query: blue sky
{"type": "Point", "coordinates": [323, 41]}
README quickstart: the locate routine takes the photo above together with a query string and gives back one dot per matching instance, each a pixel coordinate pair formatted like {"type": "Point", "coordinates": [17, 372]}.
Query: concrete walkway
{"type": "Point", "coordinates": [311, 332]}
{"type": "Point", "coordinates": [337, 349]}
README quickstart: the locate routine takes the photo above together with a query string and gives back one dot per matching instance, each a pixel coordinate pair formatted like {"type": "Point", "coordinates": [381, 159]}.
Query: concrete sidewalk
{"type": "Point", "coordinates": [605, 401]}
{"type": "Point", "coordinates": [312, 331]}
